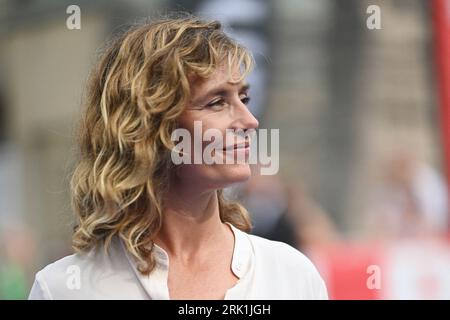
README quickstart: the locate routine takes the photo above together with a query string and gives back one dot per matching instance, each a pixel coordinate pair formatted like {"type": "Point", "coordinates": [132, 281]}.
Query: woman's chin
{"type": "Point", "coordinates": [235, 173]}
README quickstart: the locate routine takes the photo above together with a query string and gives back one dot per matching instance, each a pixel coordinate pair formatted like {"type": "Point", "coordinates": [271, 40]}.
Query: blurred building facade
{"type": "Point", "coordinates": [345, 97]}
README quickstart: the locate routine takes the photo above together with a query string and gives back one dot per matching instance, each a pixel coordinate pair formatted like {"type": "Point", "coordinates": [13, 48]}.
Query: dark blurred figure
{"type": "Point", "coordinates": [285, 213]}
{"type": "Point", "coordinates": [265, 197]}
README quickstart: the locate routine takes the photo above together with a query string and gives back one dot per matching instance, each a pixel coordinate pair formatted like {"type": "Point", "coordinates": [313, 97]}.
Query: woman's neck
{"type": "Point", "coordinates": [191, 224]}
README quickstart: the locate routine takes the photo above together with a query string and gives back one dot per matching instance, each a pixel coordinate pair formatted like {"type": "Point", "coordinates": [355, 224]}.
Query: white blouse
{"type": "Point", "coordinates": [266, 270]}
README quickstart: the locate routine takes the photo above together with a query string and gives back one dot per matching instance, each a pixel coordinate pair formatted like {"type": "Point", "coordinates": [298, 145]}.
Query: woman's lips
{"type": "Point", "coordinates": [238, 146]}
{"type": "Point", "coordinates": [238, 149]}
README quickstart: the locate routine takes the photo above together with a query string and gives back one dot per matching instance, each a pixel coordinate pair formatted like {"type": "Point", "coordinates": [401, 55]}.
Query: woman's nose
{"type": "Point", "coordinates": [246, 119]}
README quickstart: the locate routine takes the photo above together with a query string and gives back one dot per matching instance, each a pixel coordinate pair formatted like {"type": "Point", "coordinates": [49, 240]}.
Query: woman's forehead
{"type": "Point", "coordinates": [223, 76]}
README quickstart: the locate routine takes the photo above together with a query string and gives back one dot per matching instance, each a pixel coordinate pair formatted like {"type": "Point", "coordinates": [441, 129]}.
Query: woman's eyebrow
{"type": "Point", "coordinates": [223, 90]}
{"type": "Point", "coordinates": [245, 87]}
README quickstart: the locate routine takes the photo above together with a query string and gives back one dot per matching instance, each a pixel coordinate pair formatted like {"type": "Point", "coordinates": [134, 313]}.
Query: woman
{"type": "Point", "coordinates": [150, 229]}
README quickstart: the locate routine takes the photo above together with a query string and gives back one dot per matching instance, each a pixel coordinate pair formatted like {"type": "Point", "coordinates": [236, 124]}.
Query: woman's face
{"type": "Point", "coordinates": [217, 103]}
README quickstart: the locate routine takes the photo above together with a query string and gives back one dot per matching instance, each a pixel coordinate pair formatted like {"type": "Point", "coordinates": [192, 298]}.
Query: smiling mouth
{"type": "Point", "coordinates": [238, 146]}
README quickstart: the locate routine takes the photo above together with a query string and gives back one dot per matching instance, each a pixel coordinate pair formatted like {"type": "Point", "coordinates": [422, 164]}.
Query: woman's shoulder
{"type": "Point", "coordinates": [277, 253]}
{"type": "Point", "coordinates": [80, 275]}
{"type": "Point", "coordinates": [63, 273]}
{"type": "Point", "coordinates": [66, 264]}
{"type": "Point", "coordinates": [283, 252]}
{"type": "Point", "coordinates": [288, 267]}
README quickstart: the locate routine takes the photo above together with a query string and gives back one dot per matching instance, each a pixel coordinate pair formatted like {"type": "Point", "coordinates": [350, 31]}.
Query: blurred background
{"type": "Point", "coordinates": [362, 106]}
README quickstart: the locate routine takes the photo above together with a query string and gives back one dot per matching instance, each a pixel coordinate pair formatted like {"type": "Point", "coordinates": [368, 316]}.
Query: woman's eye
{"type": "Point", "coordinates": [220, 103]}
{"type": "Point", "coordinates": [216, 103]}
{"type": "Point", "coordinates": [245, 100]}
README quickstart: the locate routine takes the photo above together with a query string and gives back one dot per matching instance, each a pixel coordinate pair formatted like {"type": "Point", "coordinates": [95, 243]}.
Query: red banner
{"type": "Point", "coordinates": [441, 26]}
{"type": "Point", "coordinates": [407, 269]}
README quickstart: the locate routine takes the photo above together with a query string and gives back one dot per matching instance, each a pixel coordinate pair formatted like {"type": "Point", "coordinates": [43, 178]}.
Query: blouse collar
{"type": "Point", "coordinates": [157, 280]}
{"type": "Point", "coordinates": [241, 253]}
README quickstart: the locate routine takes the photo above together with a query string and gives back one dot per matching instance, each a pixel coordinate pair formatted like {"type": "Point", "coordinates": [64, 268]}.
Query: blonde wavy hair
{"type": "Point", "coordinates": [134, 98]}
